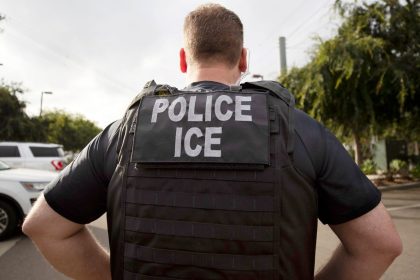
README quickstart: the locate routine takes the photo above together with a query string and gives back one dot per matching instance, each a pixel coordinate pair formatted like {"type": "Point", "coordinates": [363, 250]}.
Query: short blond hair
{"type": "Point", "coordinates": [213, 33]}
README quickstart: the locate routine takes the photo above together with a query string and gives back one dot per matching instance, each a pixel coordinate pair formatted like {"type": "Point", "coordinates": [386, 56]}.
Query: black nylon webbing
{"type": "Point", "coordinates": [205, 230]}
{"type": "Point", "coordinates": [217, 246]}
{"type": "Point", "coordinates": [277, 203]}
{"type": "Point", "coordinates": [167, 271]}
{"type": "Point", "coordinates": [200, 215]}
{"type": "Point", "coordinates": [262, 176]}
{"type": "Point", "coordinates": [217, 261]}
{"type": "Point", "coordinates": [201, 200]}
{"type": "Point", "coordinates": [291, 136]}
{"type": "Point", "coordinates": [134, 276]}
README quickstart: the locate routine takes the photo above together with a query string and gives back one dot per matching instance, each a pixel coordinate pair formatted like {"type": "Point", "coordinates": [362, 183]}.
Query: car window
{"type": "Point", "coordinates": [9, 151]}
{"type": "Point", "coordinates": [46, 151]}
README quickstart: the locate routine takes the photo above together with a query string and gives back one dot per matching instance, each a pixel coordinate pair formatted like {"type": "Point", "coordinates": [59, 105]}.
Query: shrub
{"type": "Point", "coordinates": [415, 172]}
{"type": "Point", "coordinates": [368, 167]}
{"type": "Point", "coordinates": [397, 166]}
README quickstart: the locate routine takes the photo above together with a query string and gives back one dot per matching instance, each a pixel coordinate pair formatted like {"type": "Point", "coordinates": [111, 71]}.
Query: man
{"type": "Point", "coordinates": [213, 182]}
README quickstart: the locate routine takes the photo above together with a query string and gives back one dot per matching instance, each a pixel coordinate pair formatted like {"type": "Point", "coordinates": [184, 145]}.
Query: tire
{"type": "Point", "coordinates": [8, 220]}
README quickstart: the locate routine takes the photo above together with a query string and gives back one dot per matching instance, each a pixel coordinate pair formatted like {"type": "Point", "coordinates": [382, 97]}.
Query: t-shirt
{"type": "Point", "coordinates": [79, 193]}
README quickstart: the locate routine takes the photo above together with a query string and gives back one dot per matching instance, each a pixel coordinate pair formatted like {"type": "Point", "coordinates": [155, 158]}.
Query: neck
{"type": "Point", "coordinates": [219, 74]}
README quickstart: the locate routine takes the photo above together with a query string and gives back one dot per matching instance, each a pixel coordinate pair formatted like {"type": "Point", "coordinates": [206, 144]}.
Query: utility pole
{"type": "Point", "coordinates": [42, 96]}
{"type": "Point", "coordinates": [283, 62]}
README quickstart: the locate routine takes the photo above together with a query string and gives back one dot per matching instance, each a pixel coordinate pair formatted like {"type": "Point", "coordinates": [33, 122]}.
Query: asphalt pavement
{"type": "Point", "coordinates": [19, 259]}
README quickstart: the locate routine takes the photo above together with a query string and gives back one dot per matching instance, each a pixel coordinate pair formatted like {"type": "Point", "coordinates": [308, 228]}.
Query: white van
{"type": "Point", "coordinates": [32, 155]}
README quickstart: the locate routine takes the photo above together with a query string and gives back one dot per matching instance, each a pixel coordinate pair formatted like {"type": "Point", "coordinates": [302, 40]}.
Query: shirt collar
{"type": "Point", "coordinates": [206, 85]}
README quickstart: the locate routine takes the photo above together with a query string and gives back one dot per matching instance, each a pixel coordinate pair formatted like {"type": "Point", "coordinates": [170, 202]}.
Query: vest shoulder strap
{"type": "Point", "coordinates": [276, 88]}
{"type": "Point", "coordinates": [280, 92]}
{"type": "Point", "coordinates": [152, 88]}
{"type": "Point", "coordinates": [148, 89]}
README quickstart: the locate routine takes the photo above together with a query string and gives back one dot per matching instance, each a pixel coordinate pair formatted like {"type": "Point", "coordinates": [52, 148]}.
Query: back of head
{"type": "Point", "coordinates": [213, 34]}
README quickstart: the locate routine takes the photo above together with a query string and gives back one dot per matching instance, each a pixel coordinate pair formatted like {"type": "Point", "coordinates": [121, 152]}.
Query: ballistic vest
{"type": "Point", "coordinates": [205, 187]}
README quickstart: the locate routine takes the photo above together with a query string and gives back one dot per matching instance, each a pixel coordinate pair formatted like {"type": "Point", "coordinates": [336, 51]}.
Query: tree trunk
{"type": "Point", "coordinates": [357, 149]}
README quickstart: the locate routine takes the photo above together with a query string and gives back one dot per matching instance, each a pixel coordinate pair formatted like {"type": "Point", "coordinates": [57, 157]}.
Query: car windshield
{"type": "Point", "coordinates": [3, 166]}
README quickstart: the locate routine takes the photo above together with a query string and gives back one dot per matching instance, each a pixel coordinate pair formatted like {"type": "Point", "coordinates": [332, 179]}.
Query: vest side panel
{"type": "Point", "coordinates": [298, 211]}
{"type": "Point", "coordinates": [116, 197]}
{"type": "Point", "coordinates": [116, 219]}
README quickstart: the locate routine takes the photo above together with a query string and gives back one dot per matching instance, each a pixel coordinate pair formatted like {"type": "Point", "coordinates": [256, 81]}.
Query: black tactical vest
{"type": "Point", "coordinates": [205, 188]}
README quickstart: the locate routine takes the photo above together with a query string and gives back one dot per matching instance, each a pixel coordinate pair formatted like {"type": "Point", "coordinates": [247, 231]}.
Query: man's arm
{"type": "Point", "coordinates": [68, 246]}
{"type": "Point", "coordinates": [370, 243]}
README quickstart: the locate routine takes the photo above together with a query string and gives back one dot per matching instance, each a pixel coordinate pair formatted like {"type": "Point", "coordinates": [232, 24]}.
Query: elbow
{"type": "Point", "coordinates": [384, 251]}
{"type": "Point", "coordinates": [29, 227]}
{"type": "Point", "coordinates": [34, 224]}
{"type": "Point", "coordinates": [397, 248]}
{"type": "Point", "coordinates": [392, 249]}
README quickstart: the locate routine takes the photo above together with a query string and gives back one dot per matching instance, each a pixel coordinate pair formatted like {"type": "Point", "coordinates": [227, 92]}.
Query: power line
{"type": "Point", "coordinates": [305, 39]}
{"type": "Point", "coordinates": [57, 51]}
{"type": "Point", "coordinates": [312, 17]}
{"type": "Point", "coordinates": [306, 22]}
{"type": "Point", "coordinates": [275, 30]}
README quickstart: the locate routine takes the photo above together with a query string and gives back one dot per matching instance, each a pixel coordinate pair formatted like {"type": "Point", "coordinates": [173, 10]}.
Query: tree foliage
{"type": "Point", "coordinates": [15, 125]}
{"type": "Point", "coordinates": [72, 131]}
{"type": "Point", "coordinates": [397, 25]}
{"type": "Point", "coordinates": [365, 79]}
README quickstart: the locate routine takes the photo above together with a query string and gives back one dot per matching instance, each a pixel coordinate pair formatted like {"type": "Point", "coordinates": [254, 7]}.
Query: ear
{"type": "Point", "coordinates": [182, 60]}
{"type": "Point", "coordinates": [243, 61]}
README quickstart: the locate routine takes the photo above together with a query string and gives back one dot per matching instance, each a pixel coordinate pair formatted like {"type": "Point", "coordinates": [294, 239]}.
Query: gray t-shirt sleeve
{"type": "Point", "coordinates": [79, 193]}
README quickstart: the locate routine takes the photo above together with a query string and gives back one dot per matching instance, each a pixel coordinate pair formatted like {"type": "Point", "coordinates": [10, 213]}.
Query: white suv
{"type": "Point", "coordinates": [32, 155]}
{"type": "Point", "coordinates": [19, 189]}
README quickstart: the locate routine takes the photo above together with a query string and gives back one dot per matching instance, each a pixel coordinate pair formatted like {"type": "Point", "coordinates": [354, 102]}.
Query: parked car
{"type": "Point", "coordinates": [19, 189]}
{"type": "Point", "coordinates": [32, 155]}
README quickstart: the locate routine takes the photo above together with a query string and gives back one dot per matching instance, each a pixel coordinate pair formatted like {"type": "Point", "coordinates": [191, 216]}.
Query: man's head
{"type": "Point", "coordinates": [213, 35]}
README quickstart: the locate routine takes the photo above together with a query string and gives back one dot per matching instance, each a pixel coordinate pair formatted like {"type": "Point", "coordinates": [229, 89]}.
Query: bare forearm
{"type": "Point", "coordinates": [343, 265]}
{"type": "Point", "coordinates": [78, 256]}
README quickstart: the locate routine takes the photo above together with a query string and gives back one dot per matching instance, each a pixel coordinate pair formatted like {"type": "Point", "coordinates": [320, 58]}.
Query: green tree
{"type": "Point", "coordinates": [15, 125]}
{"type": "Point", "coordinates": [72, 131]}
{"type": "Point", "coordinates": [363, 80]}
{"type": "Point", "coordinates": [335, 87]}
{"type": "Point", "coordinates": [397, 24]}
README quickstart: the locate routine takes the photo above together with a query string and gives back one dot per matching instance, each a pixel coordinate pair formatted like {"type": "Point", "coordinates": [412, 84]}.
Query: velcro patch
{"type": "Point", "coordinates": [212, 127]}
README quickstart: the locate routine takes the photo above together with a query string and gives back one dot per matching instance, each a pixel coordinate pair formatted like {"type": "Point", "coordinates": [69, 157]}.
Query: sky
{"type": "Point", "coordinates": [96, 55]}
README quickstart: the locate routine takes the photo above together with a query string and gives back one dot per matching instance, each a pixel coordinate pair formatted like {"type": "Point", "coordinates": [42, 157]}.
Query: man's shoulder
{"type": "Point", "coordinates": [310, 144]}
{"type": "Point", "coordinates": [102, 150]}
{"type": "Point", "coordinates": [305, 124]}
{"type": "Point", "coordinates": [111, 131]}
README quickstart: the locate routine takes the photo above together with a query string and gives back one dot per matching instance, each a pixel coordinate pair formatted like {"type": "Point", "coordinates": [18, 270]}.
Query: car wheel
{"type": "Point", "coordinates": [8, 220]}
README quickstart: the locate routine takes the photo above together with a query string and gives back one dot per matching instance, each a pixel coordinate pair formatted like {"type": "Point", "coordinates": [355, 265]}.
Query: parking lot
{"type": "Point", "coordinates": [20, 260]}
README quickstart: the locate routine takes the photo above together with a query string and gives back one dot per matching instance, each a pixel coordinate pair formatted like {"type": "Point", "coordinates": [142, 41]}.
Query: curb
{"type": "Point", "coordinates": [399, 187]}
